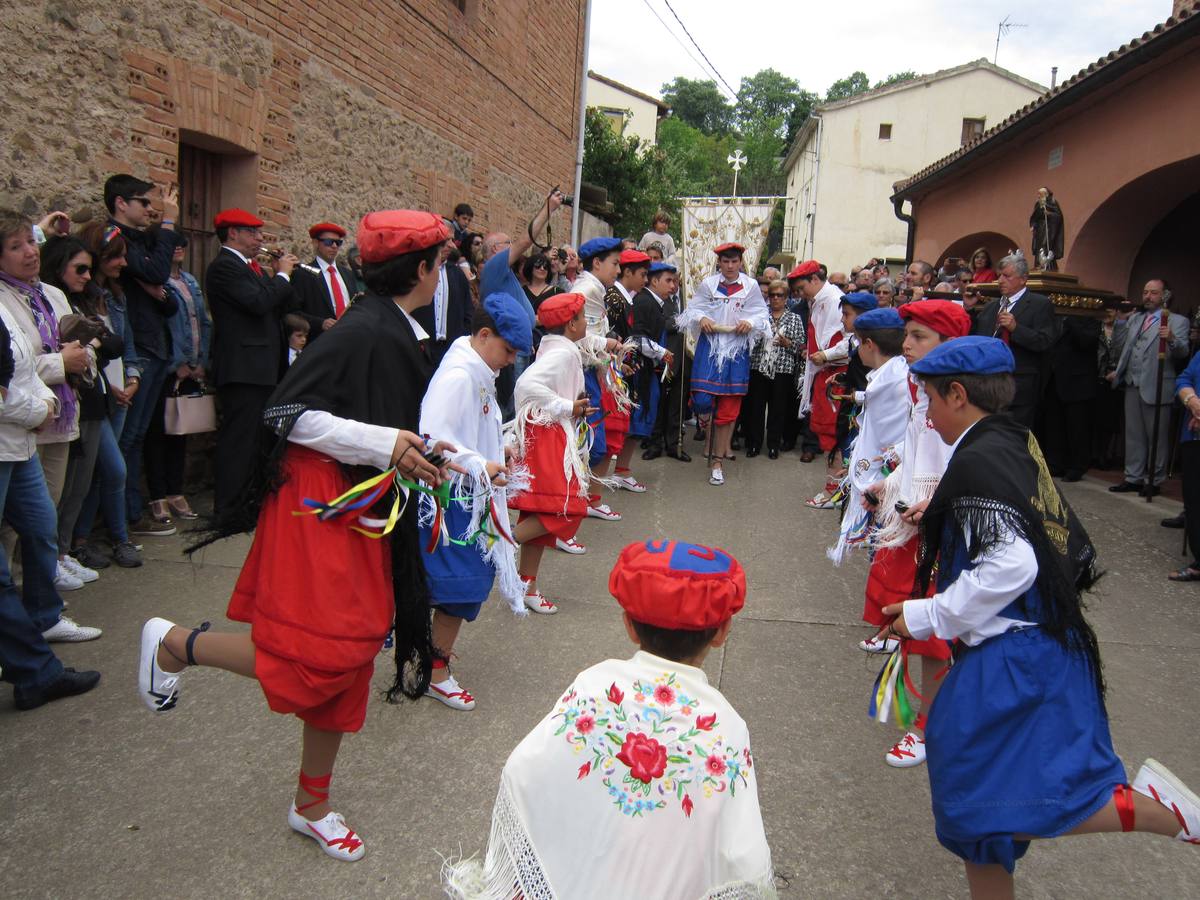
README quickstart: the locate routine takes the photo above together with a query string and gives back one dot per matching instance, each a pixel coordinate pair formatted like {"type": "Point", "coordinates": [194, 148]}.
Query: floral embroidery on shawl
{"type": "Point", "coordinates": [660, 748]}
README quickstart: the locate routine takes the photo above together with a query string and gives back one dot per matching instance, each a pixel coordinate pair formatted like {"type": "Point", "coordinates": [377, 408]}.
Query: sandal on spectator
{"type": "Point", "coordinates": [1187, 573]}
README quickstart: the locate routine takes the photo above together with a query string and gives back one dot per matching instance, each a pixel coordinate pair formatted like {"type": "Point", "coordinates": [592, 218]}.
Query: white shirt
{"type": "Point", "coordinates": [330, 270]}
{"type": "Point", "coordinates": [246, 260]}
{"type": "Point", "coordinates": [1012, 301]}
{"type": "Point", "coordinates": [440, 305]}
{"type": "Point", "coordinates": [968, 609]}
{"type": "Point", "coordinates": [747, 305]}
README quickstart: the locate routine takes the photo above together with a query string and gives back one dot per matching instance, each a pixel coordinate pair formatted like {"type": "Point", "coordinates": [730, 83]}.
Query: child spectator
{"type": "Point", "coordinates": [639, 782]}
{"type": "Point", "coordinates": [296, 327]}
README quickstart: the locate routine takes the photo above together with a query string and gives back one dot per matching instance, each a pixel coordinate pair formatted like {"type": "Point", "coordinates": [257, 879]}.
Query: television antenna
{"type": "Point", "coordinates": [1004, 28]}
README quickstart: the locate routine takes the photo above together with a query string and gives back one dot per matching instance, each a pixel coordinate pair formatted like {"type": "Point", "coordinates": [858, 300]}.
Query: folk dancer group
{"type": "Point", "coordinates": [350, 491]}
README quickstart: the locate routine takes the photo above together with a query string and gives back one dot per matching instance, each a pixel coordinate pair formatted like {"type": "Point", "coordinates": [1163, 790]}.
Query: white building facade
{"type": "Point", "coordinates": [845, 159]}
{"type": "Point", "coordinates": [632, 113]}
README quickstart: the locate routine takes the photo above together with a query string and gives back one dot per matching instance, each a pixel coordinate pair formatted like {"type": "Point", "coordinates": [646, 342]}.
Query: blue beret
{"type": "Point", "coordinates": [971, 355]}
{"type": "Point", "coordinates": [879, 318]}
{"type": "Point", "coordinates": [861, 300]}
{"type": "Point", "coordinates": [661, 267]}
{"type": "Point", "coordinates": [512, 322]}
{"type": "Point", "coordinates": [599, 245]}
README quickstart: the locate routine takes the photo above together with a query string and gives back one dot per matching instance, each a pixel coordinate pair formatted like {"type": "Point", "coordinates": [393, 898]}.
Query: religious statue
{"type": "Point", "coordinates": [1046, 223]}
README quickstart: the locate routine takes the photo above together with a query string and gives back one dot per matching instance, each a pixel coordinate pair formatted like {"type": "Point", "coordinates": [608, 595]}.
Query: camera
{"type": "Point", "coordinates": [568, 200]}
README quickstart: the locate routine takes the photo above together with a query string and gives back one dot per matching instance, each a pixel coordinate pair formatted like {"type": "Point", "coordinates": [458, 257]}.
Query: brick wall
{"type": "Point", "coordinates": [329, 109]}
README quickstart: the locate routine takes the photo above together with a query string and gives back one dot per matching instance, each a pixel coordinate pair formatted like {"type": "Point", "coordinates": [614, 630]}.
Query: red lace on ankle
{"type": "Point", "coordinates": [316, 787]}
{"type": "Point", "coordinates": [1123, 802]}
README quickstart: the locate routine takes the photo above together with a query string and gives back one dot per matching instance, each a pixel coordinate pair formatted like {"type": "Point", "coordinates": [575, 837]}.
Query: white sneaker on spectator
{"type": "Point", "coordinates": [716, 475]}
{"type": "Point", "coordinates": [79, 570]}
{"type": "Point", "coordinates": [603, 511]}
{"type": "Point", "coordinates": [68, 631]}
{"type": "Point", "coordinates": [64, 580]}
{"type": "Point", "coordinates": [629, 483]}
{"type": "Point", "coordinates": [571, 546]}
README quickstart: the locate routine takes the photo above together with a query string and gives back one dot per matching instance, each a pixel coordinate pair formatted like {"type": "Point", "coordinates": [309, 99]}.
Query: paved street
{"type": "Point", "coordinates": [103, 799]}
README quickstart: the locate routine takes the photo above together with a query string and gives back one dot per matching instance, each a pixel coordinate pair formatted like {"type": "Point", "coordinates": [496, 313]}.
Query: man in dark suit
{"type": "Point", "coordinates": [449, 316]}
{"type": "Point", "coordinates": [323, 288]}
{"type": "Point", "coordinates": [654, 311]}
{"type": "Point", "coordinates": [1026, 322]}
{"type": "Point", "coordinates": [247, 345]}
{"type": "Point", "coordinates": [1136, 341]}
{"type": "Point", "coordinates": [1066, 425]}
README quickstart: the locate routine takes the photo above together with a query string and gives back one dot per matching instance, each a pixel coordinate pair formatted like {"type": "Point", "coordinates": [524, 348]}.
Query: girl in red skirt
{"type": "Point", "coordinates": [320, 593]}
{"type": "Point", "coordinates": [550, 400]}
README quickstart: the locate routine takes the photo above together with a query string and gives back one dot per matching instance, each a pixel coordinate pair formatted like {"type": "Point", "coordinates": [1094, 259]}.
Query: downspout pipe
{"type": "Point", "coordinates": [911, 221]}
{"type": "Point", "coordinates": [587, 29]}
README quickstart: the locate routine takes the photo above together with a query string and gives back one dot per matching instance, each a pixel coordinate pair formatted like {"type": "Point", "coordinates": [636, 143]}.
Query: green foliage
{"type": "Point", "coordinates": [907, 75]}
{"type": "Point", "coordinates": [847, 87]}
{"type": "Point", "coordinates": [699, 103]}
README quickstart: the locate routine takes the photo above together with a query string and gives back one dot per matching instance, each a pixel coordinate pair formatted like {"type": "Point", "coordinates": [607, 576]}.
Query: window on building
{"type": "Point", "coordinates": [885, 131]}
{"type": "Point", "coordinates": [972, 128]}
{"type": "Point", "coordinates": [616, 119]}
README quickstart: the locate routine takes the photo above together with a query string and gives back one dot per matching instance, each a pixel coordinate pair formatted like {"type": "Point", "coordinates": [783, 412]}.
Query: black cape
{"type": "Point", "coordinates": [998, 484]}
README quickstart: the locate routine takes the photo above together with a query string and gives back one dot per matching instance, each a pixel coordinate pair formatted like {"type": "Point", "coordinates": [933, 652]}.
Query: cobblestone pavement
{"type": "Point", "coordinates": [103, 799]}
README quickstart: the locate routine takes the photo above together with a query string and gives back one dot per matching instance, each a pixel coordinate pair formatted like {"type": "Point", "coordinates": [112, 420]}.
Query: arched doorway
{"type": "Point", "coordinates": [1169, 252]}
{"type": "Point", "coordinates": [996, 244]}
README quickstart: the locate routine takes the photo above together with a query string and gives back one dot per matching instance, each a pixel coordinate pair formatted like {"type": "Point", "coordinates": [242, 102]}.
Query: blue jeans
{"type": "Point", "coordinates": [30, 512]}
{"type": "Point", "coordinates": [107, 492]}
{"type": "Point", "coordinates": [137, 421]}
{"type": "Point", "coordinates": [25, 656]}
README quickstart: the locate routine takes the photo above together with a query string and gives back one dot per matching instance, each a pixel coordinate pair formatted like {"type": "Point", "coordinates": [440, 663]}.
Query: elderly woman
{"type": "Point", "coordinates": [885, 292]}
{"type": "Point", "coordinates": [774, 364]}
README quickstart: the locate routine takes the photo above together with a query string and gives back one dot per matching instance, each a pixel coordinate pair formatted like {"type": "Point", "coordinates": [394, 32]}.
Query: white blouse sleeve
{"type": "Point", "coordinates": [347, 441]}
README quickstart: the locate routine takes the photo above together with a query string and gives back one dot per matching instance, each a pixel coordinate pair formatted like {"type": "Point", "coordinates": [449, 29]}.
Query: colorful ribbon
{"type": "Point", "coordinates": [894, 691]}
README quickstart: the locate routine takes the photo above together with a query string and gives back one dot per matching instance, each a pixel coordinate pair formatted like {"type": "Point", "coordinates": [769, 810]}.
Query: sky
{"type": "Point", "coordinates": [818, 43]}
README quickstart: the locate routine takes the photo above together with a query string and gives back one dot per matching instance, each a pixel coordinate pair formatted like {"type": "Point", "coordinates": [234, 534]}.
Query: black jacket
{"type": "Point", "coordinates": [1036, 332]}
{"type": "Point", "coordinates": [148, 258]}
{"type": "Point", "coordinates": [1074, 363]}
{"type": "Point", "coordinates": [247, 344]}
{"type": "Point", "coordinates": [313, 299]}
{"type": "Point", "coordinates": [458, 314]}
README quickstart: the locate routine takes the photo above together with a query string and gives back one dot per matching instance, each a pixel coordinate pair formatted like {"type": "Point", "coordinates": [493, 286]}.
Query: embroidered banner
{"type": "Point", "coordinates": [711, 221]}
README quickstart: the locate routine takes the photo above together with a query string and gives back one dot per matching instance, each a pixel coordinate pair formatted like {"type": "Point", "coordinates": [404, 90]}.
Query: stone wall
{"type": "Point", "coordinates": [398, 103]}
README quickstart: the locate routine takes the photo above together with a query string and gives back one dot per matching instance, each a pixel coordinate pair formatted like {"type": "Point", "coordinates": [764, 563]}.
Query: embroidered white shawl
{"type": "Point", "coordinates": [639, 783]}
{"type": "Point", "coordinates": [746, 305]}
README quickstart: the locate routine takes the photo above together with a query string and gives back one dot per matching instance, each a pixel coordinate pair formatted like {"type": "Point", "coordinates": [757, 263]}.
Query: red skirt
{"type": "Point", "coordinates": [616, 423]}
{"type": "Point", "coordinates": [890, 579]}
{"type": "Point", "coordinates": [318, 598]}
{"type": "Point", "coordinates": [552, 496]}
{"type": "Point", "coordinates": [823, 418]}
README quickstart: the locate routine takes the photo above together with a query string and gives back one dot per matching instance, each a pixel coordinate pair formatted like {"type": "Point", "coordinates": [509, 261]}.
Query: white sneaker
{"type": "Point", "coordinates": [629, 483]}
{"type": "Point", "coordinates": [79, 570]}
{"type": "Point", "coordinates": [603, 511]}
{"type": "Point", "coordinates": [871, 645]}
{"type": "Point", "coordinates": [571, 546]}
{"type": "Point", "coordinates": [332, 833]}
{"type": "Point", "coordinates": [907, 752]}
{"type": "Point", "coordinates": [539, 604]}
{"type": "Point", "coordinates": [68, 631]}
{"type": "Point", "coordinates": [1156, 781]}
{"type": "Point", "coordinates": [64, 580]}
{"type": "Point", "coordinates": [451, 693]}
{"type": "Point", "coordinates": [159, 690]}
{"type": "Point", "coordinates": [716, 476]}
{"type": "Point", "coordinates": [821, 501]}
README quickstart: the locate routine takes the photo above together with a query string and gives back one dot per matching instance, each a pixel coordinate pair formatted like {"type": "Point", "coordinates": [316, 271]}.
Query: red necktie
{"type": "Point", "coordinates": [339, 301]}
{"type": "Point", "coordinates": [256, 268]}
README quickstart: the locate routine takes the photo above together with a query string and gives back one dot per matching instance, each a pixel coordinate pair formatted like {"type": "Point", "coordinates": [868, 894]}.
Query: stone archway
{"type": "Point", "coordinates": [998, 245]}
{"type": "Point", "coordinates": [1169, 252]}
{"type": "Point", "coordinates": [1107, 244]}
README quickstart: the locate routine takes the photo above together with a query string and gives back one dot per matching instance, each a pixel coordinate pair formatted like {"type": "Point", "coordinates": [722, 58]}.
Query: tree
{"type": "Point", "coordinates": [772, 95]}
{"type": "Point", "coordinates": [699, 103]}
{"type": "Point", "coordinates": [907, 75]}
{"type": "Point", "coordinates": [847, 87]}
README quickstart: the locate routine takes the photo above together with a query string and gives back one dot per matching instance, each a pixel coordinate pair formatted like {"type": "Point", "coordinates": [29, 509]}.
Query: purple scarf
{"type": "Point", "coordinates": [47, 326]}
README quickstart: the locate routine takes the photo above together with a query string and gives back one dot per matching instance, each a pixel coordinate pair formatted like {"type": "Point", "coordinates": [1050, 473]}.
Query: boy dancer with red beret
{"type": "Point", "coordinates": [917, 461]}
{"type": "Point", "coordinates": [322, 591]}
{"type": "Point", "coordinates": [639, 421]}
{"type": "Point", "coordinates": [1019, 742]}
{"type": "Point", "coordinates": [727, 316]}
{"type": "Point", "coordinates": [550, 441]}
{"type": "Point", "coordinates": [640, 781]}
{"type": "Point", "coordinates": [470, 546]}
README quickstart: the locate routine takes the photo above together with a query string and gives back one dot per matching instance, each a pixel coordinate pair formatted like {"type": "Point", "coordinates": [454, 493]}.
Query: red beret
{"type": "Point", "coordinates": [671, 584]}
{"type": "Point", "coordinates": [236, 218]}
{"type": "Point", "coordinates": [727, 247]}
{"type": "Point", "coordinates": [633, 257]}
{"type": "Point", "coordinates": [805, 269]}
{"type": "Point", "coordinates": [945, 317]}
{"type": "Point", "coordinates": [559, 310]}
{"type": "Point", "coordinates": [321, 227]}
{"type": "Point", "coordinates": [388, 233]}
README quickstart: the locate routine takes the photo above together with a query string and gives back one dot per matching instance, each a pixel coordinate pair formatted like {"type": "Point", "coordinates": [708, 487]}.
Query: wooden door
{"type": "Point", "coordinates": [199, 201]}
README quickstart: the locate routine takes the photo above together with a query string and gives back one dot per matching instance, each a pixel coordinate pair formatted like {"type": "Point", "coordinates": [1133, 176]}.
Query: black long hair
{"type": "Point", "coordinates": [56, 253]}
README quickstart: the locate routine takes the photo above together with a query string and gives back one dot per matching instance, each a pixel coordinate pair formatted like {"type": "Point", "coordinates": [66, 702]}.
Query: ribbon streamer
{"type": "Point", "coordinates": [894, 691]}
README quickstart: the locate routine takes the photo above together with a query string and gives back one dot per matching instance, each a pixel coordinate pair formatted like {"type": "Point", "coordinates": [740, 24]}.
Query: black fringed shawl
{"type": "Point", "coordinates": [371, 369]}
{"type": "Point", "coordinates": [997, 484]}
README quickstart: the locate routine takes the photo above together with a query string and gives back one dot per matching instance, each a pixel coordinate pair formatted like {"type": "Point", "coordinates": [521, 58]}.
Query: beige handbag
{"type": "Point", "coordinates": [193, 413]}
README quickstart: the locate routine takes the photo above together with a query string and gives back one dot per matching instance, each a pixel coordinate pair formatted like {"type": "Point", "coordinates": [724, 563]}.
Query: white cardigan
{"type": "Point", "coordinates": [49, 365]}
{"type": "Point", "coordinates": [25, 406]}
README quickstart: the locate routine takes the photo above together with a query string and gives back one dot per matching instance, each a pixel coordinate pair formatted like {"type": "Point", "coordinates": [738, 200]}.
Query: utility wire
{"type": "Point", "coordinates": [678, 40]}
{"type": "Point", "coordinates": [697, 46]}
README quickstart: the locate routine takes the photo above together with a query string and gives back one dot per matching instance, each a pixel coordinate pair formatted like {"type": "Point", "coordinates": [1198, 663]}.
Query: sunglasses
{"type": "Point", "coordinates": [332, 242]}
{"type": "Point", "coordinates": [82, 269]}
{"type": "Point", "coordinates": [145, 201]}
{"type": "Point", "coordinates": [540, 266]}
